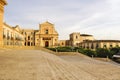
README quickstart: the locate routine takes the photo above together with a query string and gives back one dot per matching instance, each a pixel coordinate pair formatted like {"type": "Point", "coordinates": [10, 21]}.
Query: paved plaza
{"type": "Point", "coordinates": [40, 65]}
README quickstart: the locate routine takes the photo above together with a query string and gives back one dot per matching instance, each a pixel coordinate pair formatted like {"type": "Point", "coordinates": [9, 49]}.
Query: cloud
{"type": "Point", "coordinates": [97, 17]}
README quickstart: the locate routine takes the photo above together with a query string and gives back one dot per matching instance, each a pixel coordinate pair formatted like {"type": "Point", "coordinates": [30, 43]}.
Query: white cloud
{"type": "Point", "coordinates": [98, 17]}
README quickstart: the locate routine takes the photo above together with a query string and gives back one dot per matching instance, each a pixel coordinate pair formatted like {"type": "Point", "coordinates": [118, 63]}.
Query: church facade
{"type": "Point", "coordinates": [46, 36]}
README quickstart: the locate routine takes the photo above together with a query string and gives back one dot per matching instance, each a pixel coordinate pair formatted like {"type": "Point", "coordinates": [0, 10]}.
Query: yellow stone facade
{"type": "Point", "coordinates": [12, 36]}
{"type": "Point", "coordinates": [62, 43]}
{"type": "Point", "coordinates": [29, 37]}
{"type": "Point", "coordinates": [100, 44]}
{"type": "Point", "coordinates": [75, 39]}
{"type": "Point", "coordinates": [46, 36]}
{"type": "Point", "coordinates": [2, 4]}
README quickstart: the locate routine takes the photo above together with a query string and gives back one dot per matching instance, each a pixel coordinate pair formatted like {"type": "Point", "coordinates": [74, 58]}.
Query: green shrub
{"type": "Point", "coordinates": [101, 52]}
{"type": "Point", "coordinates": [64, 49]}
{"type": "Point", "coordinates": [115, 50]}
{"type": "Point", "coordinates": [53, 49]}
{"type": "Point", "coordinates": [81, 50]}
{"type": "Point", "coordinates": [89, 52]}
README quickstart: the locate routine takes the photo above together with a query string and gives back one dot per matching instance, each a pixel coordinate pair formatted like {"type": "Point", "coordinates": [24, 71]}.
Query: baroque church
{"type": "Point", "coordinates": [46, 36]}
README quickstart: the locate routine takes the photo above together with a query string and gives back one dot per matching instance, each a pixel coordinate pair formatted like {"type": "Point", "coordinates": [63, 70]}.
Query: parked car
{"type": "Point", "coordinates": [116, 57]}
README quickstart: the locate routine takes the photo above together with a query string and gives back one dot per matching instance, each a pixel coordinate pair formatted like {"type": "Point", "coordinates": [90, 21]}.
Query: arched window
{"type": "Point", "coordinates": [111, 45]}
{"type": "Point", "coordinates": [25, 43]}
{"type": "Point", "coordinates": [76, 37]}
{"type": "Point", "coordinates": [46, 31]}
{"type": "Point", "coordinates": [92, 46]}
{"type": "Point", "coordinates": [25, 33]}
{"type": "Point", "coordinates": [62, 43]}
{"type": "Point", "coordinates": [117, 45]}
{"type": "Point", "coordinates": [28, 37]}
{"type": "Point", "coordinates": [104, 46]}
{"type": "Point", "coordinates": [97, 45]}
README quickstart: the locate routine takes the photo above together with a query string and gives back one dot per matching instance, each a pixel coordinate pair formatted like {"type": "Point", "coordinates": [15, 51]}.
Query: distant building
{"type": "Point", "coordinates": [76, 38]}
{"type": "Point", "coordinates": [94, 44]}
{"type": "Point", "coordinates": [88, 42]}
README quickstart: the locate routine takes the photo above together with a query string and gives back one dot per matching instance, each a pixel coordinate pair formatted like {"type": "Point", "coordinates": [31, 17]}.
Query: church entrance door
{"type": "Point", "coordinates": [46, 44]}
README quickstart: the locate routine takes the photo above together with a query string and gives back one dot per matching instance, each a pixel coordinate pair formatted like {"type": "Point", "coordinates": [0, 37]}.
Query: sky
{"type": "Point", "coordinates": [100, 18]}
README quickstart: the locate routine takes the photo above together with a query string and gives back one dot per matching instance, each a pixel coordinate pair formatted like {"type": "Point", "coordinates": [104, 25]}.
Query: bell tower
{"type": "Point", "coordinates": [2, 4]}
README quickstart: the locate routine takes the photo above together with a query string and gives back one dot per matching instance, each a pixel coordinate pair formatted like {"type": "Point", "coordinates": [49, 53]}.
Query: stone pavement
{"type": "Point", "coordinates": [40, 65]}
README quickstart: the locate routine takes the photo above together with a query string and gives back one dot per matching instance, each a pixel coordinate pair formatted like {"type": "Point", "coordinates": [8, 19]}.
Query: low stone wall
{"type": "Point", "coordinates": [18, 47]}
{"type": "Point", "coordinates": [38, 48]}
{"type": "Point", "coordinates": [66, 53]}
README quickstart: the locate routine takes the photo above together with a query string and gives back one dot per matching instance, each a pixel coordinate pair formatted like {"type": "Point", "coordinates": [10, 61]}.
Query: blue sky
{"type": "Point", "coordinates": [100, 18]}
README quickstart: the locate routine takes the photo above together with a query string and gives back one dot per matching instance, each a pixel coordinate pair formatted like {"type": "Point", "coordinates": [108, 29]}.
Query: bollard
{"type": "Point", "coordinates": [56, 50]}
{"type": "Point", "coordinates": [77, 50]}
{"type": "Point", "coordinates": [92, 56]}
{"type": "Point", "coordinates": [107, 58]}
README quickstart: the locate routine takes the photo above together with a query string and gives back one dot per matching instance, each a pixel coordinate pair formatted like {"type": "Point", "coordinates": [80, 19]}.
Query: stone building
{"type": "Point", "coordinates": [46, 36]}
{"type": "Point", "coordinates": [76, 38]}
{"type": "Point", "coordinates": [29, 37]}
{"type": "Point", "coordinates": [62, 43]}
{"type": "Point", "coordinates": [12, 36]}
{"type": "Point", "coordinates": [85, 37]}
{"type": "Point", "coordinates": [94, 44]}
{"type": "Point", "coordinates": [2, 4]}
{"type": "Point", "coordinates": [88, 42]}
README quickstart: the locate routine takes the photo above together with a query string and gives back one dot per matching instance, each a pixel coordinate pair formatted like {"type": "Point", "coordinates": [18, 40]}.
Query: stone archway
{"type": "Point", "coordinates": [28, 44]}
{"type": "Point", "coordinates": [46, 44]}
